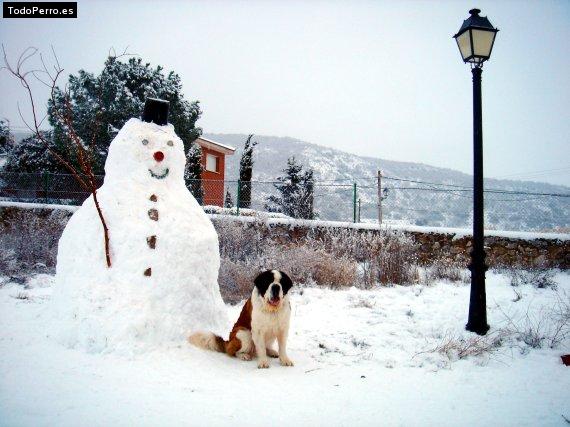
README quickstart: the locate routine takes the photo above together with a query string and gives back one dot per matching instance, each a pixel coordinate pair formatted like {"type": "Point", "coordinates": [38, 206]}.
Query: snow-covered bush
{"type": "Point", "coordinates": [547, 326]}
{"type": "Point", "coordinates": [240, 241]}
{"type": "Point", "coordinates": [386, 258]}
{"type": "Point", "coordinates": [456, 347]}
{"type": "Point", "coordinates": [445, 269]}
{"type": "Point", "coordinates": [246, 250]}
{"type": "Point", "coordinates": [539, 277]}
{"type": "Point", "coordinates": [332, 257]}
{"type": "Point", "coordinates": [309, 263]}
{"type": "Point", "coordinates": [8, 260]}
{"type": "Point", "coordinates": [29, 239]}
{"type": "Point", "coordinates": [397, 259]}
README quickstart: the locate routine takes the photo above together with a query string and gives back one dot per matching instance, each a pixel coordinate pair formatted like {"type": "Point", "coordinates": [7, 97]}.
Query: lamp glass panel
{"type": "Point", "coordinates": [483, 42]}
{"type": "Point", "coordinates": [464, 43]}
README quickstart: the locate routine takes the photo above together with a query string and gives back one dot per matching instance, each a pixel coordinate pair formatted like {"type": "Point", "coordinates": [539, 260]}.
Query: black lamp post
{"type": "Point", "coordinates": [475, 41]}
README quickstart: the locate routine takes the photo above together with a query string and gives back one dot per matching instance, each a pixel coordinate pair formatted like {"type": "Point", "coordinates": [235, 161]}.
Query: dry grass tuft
{"type": "Point", "coordinates": [456, 347]}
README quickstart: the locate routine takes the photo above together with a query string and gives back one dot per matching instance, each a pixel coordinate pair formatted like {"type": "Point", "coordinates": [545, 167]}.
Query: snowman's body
{"type": "Point", "coordinates": [164, 252]}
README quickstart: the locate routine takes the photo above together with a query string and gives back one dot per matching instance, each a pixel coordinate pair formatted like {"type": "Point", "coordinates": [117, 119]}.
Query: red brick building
{"type": "Point", "coordinates": [213, 170]}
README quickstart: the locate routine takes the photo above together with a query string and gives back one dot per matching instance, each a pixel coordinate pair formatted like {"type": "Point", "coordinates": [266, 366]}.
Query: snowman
{"type": "Point", "coordinates": [163, 247]}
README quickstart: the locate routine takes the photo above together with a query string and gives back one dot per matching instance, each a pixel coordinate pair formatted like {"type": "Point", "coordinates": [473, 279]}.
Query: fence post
{"type": "Point", "coordinates": [354, 202]}
{"type": "Point", "coordinates": [46, 185]}
{"type": "Point", "coordinates": [238, 195]}
{"type": "Point", "coordinates": [359, 209]}
{"type": "Point", "coordinates": [379, 197]}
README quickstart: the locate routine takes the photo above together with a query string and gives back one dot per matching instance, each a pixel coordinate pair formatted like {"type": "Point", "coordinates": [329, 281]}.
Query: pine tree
{"type": "Point", "coordinates": [31, 156]}
{"type": "Point", "coordinates": [193, 172]}
{"type": "Point", "coordinates": [101, 104]}
{"type": "Point", "coordinates": [228, 203]}
{"type": "Point", "coordinates": [245, 173]}
{"type": "Point", "coordinates": [6, 138]}
{"type": "Point", "coordinates": [296, 192]}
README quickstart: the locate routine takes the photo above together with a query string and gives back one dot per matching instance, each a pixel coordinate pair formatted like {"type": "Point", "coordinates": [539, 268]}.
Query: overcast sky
{"type": "Point", "coordinates": [382, 79]}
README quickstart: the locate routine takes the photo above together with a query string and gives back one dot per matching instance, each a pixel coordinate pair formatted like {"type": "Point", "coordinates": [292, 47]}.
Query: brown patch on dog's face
{"type": "Point", "coordinates": [272, 286]}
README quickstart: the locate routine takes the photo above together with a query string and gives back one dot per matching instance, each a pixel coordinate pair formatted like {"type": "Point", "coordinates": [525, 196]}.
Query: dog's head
{"type": "Point", "coordinates": [272, 286]}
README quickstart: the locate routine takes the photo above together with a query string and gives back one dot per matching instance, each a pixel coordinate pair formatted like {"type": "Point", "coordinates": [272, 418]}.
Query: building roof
{"type": "Point", "coordinates": [213, 145]}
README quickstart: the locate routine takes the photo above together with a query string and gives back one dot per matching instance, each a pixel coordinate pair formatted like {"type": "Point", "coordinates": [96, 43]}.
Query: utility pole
{"type": "Point", "coordinates": [379, 197]}
{"type": "Point", "coordinates": [354, 192]}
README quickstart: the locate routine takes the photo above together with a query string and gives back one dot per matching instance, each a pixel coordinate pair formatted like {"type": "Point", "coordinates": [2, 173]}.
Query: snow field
{"type": "Point", "coordinates": [361, 359]}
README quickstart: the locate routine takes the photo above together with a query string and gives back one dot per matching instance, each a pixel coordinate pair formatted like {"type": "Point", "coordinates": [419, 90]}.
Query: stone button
{"type": "Point", "coordinates": [148, 272]}
{"type": "Point", "coordinates": [151, 241]}
{"type": "Point", "coordinates": [153, 214]}
{"type": "Point", "coordinates": [153, 198]}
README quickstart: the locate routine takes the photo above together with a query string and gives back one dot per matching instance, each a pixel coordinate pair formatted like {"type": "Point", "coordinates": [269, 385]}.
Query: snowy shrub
{"type": "Point", "coordinates": [445, 269]}
{"type": "Point", "coordinates": [236, 280]}
{"type": "Point", "coordinates": [8, 261]}
{"type": "Point", "coordinates": [459, 347]}
{"type": "Point", "coordinates": [397, 260]}
{"type": "Point", "coordinates": [246, 250]}
{"type": "Point", "coordinates": [28, 239]}
{"type": "Point", "coordinates": [310, 264]}
{"type": "Point", "coordinates": [240, 241]}
{"type": "Point", "coordinates": [387, 258]}
{"type": "Point", "coordinates": [550, 325]}
{"type": "Point", "coordinates": [539, 277]}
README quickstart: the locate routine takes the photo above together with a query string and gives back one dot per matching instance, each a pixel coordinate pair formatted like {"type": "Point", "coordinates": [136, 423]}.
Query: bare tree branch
{"type": "Point", "coordinates": [64, 114]}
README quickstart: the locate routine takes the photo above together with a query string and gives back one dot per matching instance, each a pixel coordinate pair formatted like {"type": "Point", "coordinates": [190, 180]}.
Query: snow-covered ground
{"type": "Point", "coordinates": [361, 359]}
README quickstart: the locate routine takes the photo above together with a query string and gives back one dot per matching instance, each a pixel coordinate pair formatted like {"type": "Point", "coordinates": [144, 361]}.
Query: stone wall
{"type": "Point", "coordinates": [501, 251]}
{"type": "Point", "coordinates": [542, 250]}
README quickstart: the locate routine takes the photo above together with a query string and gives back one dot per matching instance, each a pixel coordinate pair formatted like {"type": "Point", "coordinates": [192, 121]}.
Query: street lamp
{"type": "Point", "coordinates": [475, 40]}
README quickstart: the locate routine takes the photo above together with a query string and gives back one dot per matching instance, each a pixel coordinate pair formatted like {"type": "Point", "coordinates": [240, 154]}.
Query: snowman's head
{"type": "Point", "coordinates": [146, 152]}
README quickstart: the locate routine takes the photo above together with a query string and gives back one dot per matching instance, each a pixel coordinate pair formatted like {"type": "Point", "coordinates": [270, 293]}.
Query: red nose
{"type": "Point", "coordinates": [159, 156]}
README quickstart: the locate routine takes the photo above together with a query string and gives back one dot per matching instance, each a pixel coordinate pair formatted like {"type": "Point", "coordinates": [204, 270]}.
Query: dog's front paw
{"type": "Point", "coordinates": [263, 364]}
{"type": "Point", "coordinates": [244, 356]}
{"type": "Point", "coordinates": [285, 361]}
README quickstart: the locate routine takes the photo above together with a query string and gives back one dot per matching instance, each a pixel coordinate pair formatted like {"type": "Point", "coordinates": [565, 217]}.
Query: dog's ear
{"type": "Point", "coordinates": [262, 281]}
{"type": "Point", "coordinates": [286, 282]}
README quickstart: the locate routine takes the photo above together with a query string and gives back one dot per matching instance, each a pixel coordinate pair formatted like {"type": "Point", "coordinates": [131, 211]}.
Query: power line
{"type": "Point", "coordinates": [537, 172]}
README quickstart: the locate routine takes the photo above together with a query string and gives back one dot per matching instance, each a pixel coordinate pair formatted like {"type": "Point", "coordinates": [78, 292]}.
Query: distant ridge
{"type": "Point", "coordinates": [336, 166]}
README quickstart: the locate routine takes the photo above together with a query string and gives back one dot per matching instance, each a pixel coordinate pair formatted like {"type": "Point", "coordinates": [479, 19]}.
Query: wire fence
{"type": "Point", "coordinates": [396, 201]}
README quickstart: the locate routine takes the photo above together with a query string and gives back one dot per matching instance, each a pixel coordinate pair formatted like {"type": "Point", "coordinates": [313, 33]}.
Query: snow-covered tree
{"type": "Point", "coordinates": [245, 173]}
{"type": "Point", "coordinates": [31, 156]}
{"type": "Point", "coordinates": [101, 104]}
{"type": "Point", "coordinates": [6, 138]}
{"type": "Point", "coordinates": [296, 192]}
{"type": "Point", "coordinates": [193, 172]}
{"type": "Point", "coordinates": [228, 202]}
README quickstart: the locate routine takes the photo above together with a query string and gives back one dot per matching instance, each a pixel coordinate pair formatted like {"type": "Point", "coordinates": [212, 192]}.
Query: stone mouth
{"type": "Point", "coordinates": [163, 175]}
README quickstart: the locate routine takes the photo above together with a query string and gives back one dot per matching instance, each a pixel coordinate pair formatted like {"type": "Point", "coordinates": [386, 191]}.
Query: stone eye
{"type": "Point", "coordinates": [170, 143]}
{"type": "Point", "coordinates": [145, 142]}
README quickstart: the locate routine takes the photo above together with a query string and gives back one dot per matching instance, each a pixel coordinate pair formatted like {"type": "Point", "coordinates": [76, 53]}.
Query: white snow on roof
{"type": "Point", "coordinates": [227, 147]}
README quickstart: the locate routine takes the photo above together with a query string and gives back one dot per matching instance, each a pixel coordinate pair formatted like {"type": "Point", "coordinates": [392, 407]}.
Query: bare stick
{"type": "Point", "coordinates": [85, 176]}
